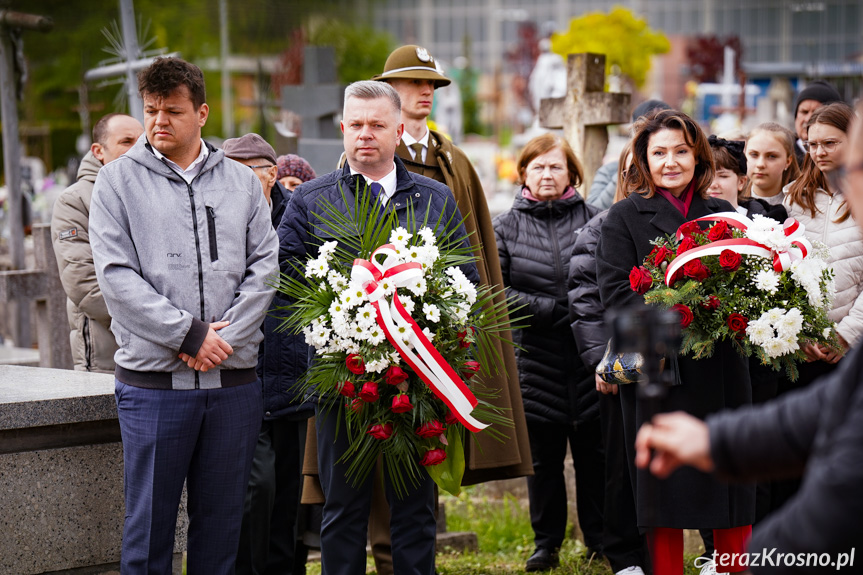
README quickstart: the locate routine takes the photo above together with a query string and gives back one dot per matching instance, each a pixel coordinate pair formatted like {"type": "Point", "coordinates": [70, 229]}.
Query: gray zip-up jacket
{"type": "Point", "coordinates": [173, 257]}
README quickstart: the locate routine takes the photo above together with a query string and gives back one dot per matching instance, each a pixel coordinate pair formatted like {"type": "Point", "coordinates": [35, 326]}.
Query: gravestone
{"type": "Point", "coordinates": [586, 111]}
{"type": "Point", "coordinates": [61, 474]}
{"type": "Point", "coordinates": [318, 102]}
{"type": "Point", "coordinates": [43, 285]}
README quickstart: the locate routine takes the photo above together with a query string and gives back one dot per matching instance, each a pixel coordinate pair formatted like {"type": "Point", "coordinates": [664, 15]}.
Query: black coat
{"type": "Point", "coordinates": [534, 241]}
{"type": "Point", "coordinates": [586, 314]}
{"type": "Point", "coordinates": [816, 432]}
{"type": "Point", "coordinates": [282, 356]}
{"type": "Point", "coordinates": [689, 498]}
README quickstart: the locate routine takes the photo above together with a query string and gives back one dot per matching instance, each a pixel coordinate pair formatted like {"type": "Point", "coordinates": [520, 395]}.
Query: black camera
{"type": "Point", "coordinates": [654, 334]}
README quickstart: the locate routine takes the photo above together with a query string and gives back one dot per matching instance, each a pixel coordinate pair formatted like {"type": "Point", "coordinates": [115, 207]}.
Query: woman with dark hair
{"type": "Point", "coordinates": [534, 240]}
{"type": "Point", "coordinates": [811, 200]}
{"type": "Point", "coordinates": [668, 183]}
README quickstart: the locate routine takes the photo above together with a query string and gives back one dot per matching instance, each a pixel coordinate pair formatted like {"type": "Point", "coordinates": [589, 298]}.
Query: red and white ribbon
{"type": "Point", "coordinates": [782, 259]}
{"type": "Point", "coordinates": [393, 319]}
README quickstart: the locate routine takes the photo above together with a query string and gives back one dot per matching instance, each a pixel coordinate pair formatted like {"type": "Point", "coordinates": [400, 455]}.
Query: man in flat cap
{"type": "Point", "coordinates": [268, 533]}
{"type": "Point", "coordinates": [415, 75]}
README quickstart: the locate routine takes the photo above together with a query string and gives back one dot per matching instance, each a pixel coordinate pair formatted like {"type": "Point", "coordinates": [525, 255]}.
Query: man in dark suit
{"type": "Point", "coordinates": [415, 75]}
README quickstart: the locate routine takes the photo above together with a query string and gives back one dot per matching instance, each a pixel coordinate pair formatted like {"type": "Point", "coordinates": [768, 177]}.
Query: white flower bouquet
{"type": "Point", "coordinates": [399, 334]}
{"type": "Point", "coordinates": [759, 283]}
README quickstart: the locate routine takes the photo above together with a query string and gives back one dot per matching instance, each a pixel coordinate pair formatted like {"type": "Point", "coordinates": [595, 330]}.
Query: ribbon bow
{"type": "Point", "coordinates": [798, 249]}
{"type": "Point", "coordinates": [394, 319]}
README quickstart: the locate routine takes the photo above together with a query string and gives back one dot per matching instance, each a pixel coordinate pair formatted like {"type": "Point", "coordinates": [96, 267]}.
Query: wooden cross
{"type": "Point", "coordinates": [43, 285]}
{"type": "Point", "coordinates": [585, 111]}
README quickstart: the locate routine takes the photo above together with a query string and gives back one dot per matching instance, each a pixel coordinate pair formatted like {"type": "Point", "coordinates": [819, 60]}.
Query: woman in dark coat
{"type": "Point", "coordinates": [672, 169]}
{"type": "Point", "coordinates": [535, 240]}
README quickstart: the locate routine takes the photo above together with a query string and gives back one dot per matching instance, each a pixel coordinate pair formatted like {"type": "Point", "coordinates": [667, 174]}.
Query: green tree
{"type": "Point", "coordinates": [361, 51]}
{"type": "Point", "coordinates": [626, 40]}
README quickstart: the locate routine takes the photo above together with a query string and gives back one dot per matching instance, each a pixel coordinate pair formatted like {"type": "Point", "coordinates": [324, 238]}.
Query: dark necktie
{"type": "Point", "coordinates": [418, 151]}
{"type": "Point", "coordinates": [376, 191]}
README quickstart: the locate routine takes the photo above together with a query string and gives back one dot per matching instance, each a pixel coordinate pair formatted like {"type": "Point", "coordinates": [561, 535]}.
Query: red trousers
{"type": "Point", "coordinates": [666, 549]}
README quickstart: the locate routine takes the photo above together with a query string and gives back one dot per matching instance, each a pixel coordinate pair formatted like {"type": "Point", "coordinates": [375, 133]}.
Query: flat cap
{"type": "Point", "coordinates": [249, 147]}
{"type": "Point", "coordinates": [412, 62]}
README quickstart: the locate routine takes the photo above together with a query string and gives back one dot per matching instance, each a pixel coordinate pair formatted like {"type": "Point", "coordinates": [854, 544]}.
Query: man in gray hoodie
{"type": "Point", "coordinates": [184, 249]}
{"type": "Point", "coordinates": [93, 344]}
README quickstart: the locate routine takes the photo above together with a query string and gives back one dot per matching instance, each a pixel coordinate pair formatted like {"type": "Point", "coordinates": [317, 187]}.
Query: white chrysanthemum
{"type": "Point", "coordinates": [772, 315]}
{"type": "Point", "coordinates": [327, 250]}
{"type": "Point", "coordinates": [767, 280]}
{"type": "Point", "coordinates": [759, 331]}
{"type": "Point", "coordinates": [430, 335]}
{"type": "Point", "coordinates": [353, 295]}
{"type": "Point", "coordinates": [461, 313]}
{"type": "Point", "coordinates": [317, 268]}
{"type": "Point", "coordinates": [340, 322]}
{"type": "Point", "coordinates": [337, 281]}
{"type": "Point", "coordinates": [387, 285]}
{"type": "Point", "coordinates": [828, 331]}
{"type": "Point", "coordinates": [377, 365]}
{"type": "Point", "coordinates": [427, 235]}
{"type": "Point", "coordinates": [773, 347]}
{"type": "Point", "coordinates": [413, 254]}
{"type": "Point", "coordinates": [408, 304]}
{"type": "Point", "coordinates": [418, 287]}
{"type": "Point", "coordinates": [307, 332]}
{"type": "Point", "coordinates": [428, 255]}
{"type": "Point", "coordinates": [432, 312]}
{"type": "Point", "coordinates": [366, 316]}
{"type": "Point", "coordinates": [376, 335]}
{"type": "Point", "coordinates": [455, 274]}
{"type": "Point", "coordinates": [399, 236]}
{"type": "Point", "coordinates": [790, 324]}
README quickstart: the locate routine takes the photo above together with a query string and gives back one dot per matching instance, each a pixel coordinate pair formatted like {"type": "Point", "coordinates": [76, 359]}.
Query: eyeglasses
{"type": "Point", "coordinates": [261, 167]}
{"type": "Point", "coordinates": [827, 145]}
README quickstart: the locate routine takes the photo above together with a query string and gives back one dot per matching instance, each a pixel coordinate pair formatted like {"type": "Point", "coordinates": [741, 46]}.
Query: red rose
{"type": "Point", "coordinates": [696, 270]}
{"type": "Point", "coordinates": [434, 456]}
{"type": "Point", "coordinates": [640, 280]}
{"type": "Point", "coordinates": [686, 316]}
{"type": "Point", "coordinates": [687, 244]}
{"type": "Point", "coordinates": [711, 304]}
{"type": "Point", "coordinates": [469, 369]}
{"type": "Point", "coordinates": [355, 364]}
{"type": "Point", "coordinates": [347, 389]}
{"type": "Point", "coordinates": [450, 418]}
{"type": "Point", "coordinates": [431, 428]}
{"type": "Point", "coordinates": [689, 228]}
{"type": "Point", "coordinates": [401, 403]}
{"type": "Point", "coordinates": [395, 375]}
{"type": "Point", "coordinates": [380, 431]}
{"type": "Point", "coordinates": [357, 404]}
{"type": "Point", "coordinates": [730, 260]}
{"type": "Point", "coordinates": [737, 322]}
{"type": "Point", "coordinates": [369, 392]}
{"type": "Point", "coordinates": [718, 232]}
{"type": "Point", "coordinates": [462, 337]}
{"type": "Point", "coordinates": [662, 254]}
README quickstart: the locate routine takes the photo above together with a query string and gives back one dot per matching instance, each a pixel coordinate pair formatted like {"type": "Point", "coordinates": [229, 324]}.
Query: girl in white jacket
{"type": "Point", "coordinates": [828, 220]}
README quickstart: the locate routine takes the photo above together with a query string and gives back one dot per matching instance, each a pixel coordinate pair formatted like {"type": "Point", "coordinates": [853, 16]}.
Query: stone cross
{"type": "Point", "coordinates": [318, 101]}
{"type": "Point", "coordinates": [585, 111]}
{"type": "Point", "coordinates": [43, 285]}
